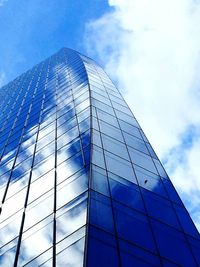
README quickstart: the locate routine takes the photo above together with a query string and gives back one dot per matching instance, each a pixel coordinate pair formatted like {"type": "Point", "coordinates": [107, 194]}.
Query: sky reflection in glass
{"type": "Point", "coordinates": [79, 176]}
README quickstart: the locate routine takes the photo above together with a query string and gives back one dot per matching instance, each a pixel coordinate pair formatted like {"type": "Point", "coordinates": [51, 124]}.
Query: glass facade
{"type": "Point", "coordinates": [80, 184]}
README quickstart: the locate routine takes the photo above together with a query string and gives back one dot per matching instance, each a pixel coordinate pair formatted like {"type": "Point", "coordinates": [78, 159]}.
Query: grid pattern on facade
{"type": "Point", "coordinates": [80, 184]}
{"type": "Point", "coordinates": [146, 223]}
{"type": "Point", "coordinates": [45, 148]}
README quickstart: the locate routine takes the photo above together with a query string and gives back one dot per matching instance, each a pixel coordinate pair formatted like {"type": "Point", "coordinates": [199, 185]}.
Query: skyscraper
{"type": "Point", "coordinates": [79, 182]}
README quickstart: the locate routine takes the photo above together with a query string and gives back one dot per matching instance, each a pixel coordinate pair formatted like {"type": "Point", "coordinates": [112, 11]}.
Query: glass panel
{"type": "Point", "coordinates": [136, 143]}
{"type": "Point", "coordinates": [135, 254]}
{"type": "Point", "coordinates": [124, 119]}
{"type": "Point", "coordinates": [171, 191]}
{"type": "Point", "coordinates": [44, 260]}
{"type": "Point", "coordinates": [111, 131]}
{"type": "Point", "coordinates": [101, 212]}
{"type": "Point", "coordinates": [172, 244]}
{"type": "Point", "coordinates": [127, 193]}
{"type": "Point", "coordinates": [160, 208]}
{"type": "Point", "coordinates": [133, 227]}
{"type": "Point", "coordinates": [39, 209]}
{"type": "Point", "coordinates": [9, 230]}
{"type": "Point", "coordinates": [69, 167]}
{"type": "Point", "coordinates": [115, 147]}
{"type": "Point", "coordinates": [185, 221]}
{"type": "Point", "coordinates": [30, 247]}
{"type": "Point", "coordinates": [102, 249]}
{"type": "Point", "coordinates": [131, 129]}
{"type": "Point", "coordinates": [69, 240]}
{"type": "Point", "coordinates": [41, 186]}
{"type": "Point", "coordinates": [71, 217]}
{"type": "Point", "coordinates": [99, 180]}
{"type": "Point", "coordinates": [7, 257]}
{"type": "Point", "coordinates": [96, 139]}
{"type": "Point", "coordinates": [195, 246]}
{"type": "Point", "coordinates": [72, 255]}
{"type": "Point", "coordinates": [104, 116]}
{"type": "Point", "coordinates": [97, 156]}
{"type": "Point", "coordinates": [160, 169]}
{"type": "Point", "coordinates": [129, 260]}
{"type": "Point", "coordinates": [71, 188]}
{"type": "Point", "coordinates": [119, 166]}
{"type": "Point", "coordinates": [142, 160]}
{"type": "Point", "coordinates": [68, 150]}
{"type": "Point", "coordinates": [151, 151]}
{"type": "Point", "coordinates": [13, 204]}
{"type": "Point", "coordinates": [150, 181]}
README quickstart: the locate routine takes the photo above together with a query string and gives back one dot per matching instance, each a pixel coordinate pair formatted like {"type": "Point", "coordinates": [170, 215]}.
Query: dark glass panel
{"type": "Point", "coordinates": [102, 249]}
{"type": "Point", "coordinates": [133, 226]}
{"type": "Point", "coordinates": [135, 254]}
{"type": "Point", "coordinates": [195, 246]}
{"type": "Point", "coordinates": [160, 208]}
{"type": "Point", "coordinates": [129, 260]}
{"type": "Point", "coordinates": [171, 191]}
{"type": "Point", "coordinates": [127, 193]}
{"type": "Point", "coordinates": [172, 244]}
{"type": "Point", "coordinates": [101, 212]}
{"type": "Point", "coordinates": [186, 221]}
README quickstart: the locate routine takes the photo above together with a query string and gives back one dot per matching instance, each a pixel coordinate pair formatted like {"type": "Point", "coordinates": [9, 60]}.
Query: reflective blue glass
{"type": "Point", "coordinates": [102, 250]}
{"type": "Point", "coordinates": [80, 184]}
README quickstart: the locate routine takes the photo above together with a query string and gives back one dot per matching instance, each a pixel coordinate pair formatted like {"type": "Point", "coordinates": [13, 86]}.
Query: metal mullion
{"type": "Point", "coordinates": [29, 183]}
{"type": "Point", "coordinates": [55, 175]}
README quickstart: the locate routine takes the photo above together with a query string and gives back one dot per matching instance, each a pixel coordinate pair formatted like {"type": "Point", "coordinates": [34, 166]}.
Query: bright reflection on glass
{"type": "Point", "coordinates": [48, 151]}
{"type": "Point", "coordinates": [80, 185]}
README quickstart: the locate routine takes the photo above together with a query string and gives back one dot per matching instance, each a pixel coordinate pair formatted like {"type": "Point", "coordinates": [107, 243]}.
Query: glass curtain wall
{"type": "Point", "coordinates": [80, 184]}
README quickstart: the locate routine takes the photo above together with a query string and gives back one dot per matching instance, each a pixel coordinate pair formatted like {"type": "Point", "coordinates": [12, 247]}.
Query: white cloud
{"type": "Point", "coordinates": [152, 49]}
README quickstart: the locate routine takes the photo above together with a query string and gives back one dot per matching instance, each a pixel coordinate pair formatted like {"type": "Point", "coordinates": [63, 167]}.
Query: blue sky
{"type": "Point", "coordinates": [154, 60]}
{"type": "Point", "coordinates": [32, 30]}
